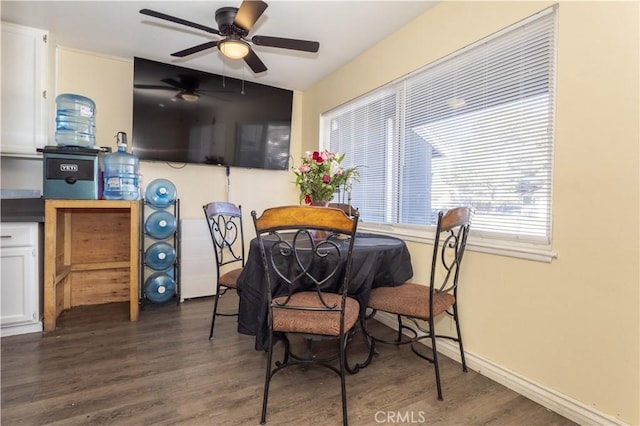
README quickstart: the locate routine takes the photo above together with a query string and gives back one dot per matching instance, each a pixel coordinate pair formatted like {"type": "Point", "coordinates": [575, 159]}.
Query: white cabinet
{"type": "Point", "coordinates": [20, 284]}
{"type": "Point", "coordinates": [24, 90]}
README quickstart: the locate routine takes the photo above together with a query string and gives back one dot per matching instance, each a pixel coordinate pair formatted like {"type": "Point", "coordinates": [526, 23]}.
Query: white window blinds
{"type": "Point", "coordinates": [475, 128]}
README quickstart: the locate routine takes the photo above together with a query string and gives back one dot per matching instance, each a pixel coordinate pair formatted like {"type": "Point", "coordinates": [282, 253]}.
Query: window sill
{"type": "Point", "coordinates": [527, 251]}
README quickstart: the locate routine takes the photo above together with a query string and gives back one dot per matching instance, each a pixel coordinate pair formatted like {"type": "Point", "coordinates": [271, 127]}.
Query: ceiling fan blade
{"type": "Point", "coordinates": [180, 21]}
{"type": "Point", "coordinates": [256, 65]}
{"type": "Point", "coordinates": [286, 43]}
{"type": "Point", "coordinates": [195, 49]}
{"type": "Point", "coordinates": [221, 90]}
{"type": "Point", "coordinates": [248, 13]}
{"type": "Point", "coordinates": [153, 86]}
{"type": "Point", "coordinates": [172, 82]}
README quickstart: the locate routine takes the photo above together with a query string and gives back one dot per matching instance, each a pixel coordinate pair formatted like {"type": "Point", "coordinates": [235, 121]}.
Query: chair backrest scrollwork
{"type": "Point", "coordinates": [305, 249]}
{"type": "Point", "coordinates": [224, 221]}
{"type": "Point", "coordinates": [450, 242]}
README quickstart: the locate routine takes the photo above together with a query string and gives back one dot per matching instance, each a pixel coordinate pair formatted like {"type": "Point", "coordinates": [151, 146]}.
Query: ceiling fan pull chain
{"type": "Point", "coordinates": [224, 82]}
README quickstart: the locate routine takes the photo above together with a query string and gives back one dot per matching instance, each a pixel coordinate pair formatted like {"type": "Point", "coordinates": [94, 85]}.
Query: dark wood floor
{"type": "Point", "coordinates": [99, 368]}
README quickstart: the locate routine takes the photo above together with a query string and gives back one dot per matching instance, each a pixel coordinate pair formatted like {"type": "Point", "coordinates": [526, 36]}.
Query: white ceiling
{"type": "Point", "coordinates": [344, 29]}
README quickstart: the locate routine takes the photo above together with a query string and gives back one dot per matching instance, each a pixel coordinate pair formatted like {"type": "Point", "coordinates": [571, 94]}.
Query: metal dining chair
{"type": "Point", "coordinates": [421, 304]}
{"type": "Point", "coordinates": [224, 221]}
{"type": "Point", "coordinates": [307, 274]}
{"type": "Point", "coordinates": [347, 208]}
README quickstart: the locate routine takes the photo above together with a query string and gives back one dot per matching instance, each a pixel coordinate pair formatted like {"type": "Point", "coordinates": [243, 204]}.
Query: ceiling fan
{"type": "Point", "coordinates": [186, 86]}
{"type": "Point", "coordinates": [234, 25]}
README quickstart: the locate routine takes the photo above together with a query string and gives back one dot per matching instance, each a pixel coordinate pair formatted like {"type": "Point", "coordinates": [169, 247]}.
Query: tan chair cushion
{"type": "Point", "coordinates": [409, 299]}
{"type": "Point", "coordinates": [314, 322]}
{"type": "Point", "coordinates": [230, 279]}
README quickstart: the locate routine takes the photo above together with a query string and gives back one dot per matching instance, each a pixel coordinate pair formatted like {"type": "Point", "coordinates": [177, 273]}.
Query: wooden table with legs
{"type": "Point", "coordinates": [91, 255]}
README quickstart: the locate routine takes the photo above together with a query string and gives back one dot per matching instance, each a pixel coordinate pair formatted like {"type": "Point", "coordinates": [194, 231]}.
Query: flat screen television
{"type": "Point", "coordinates": [189, 116]}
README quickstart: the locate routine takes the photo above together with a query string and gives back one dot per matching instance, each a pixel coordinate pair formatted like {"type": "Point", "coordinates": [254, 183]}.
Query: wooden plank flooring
{"type": "Point", "coordinates": [98, 368]}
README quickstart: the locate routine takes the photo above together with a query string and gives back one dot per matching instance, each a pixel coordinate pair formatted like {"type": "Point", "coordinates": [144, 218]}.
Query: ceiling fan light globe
{"type": "Point", "coordinates": [234, 49]}
{"type": "Point", "coordinates": [189, 97]}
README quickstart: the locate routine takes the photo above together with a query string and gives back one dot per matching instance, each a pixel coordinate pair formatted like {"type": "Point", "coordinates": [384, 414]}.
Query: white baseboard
{"type": "Point", "coordinates": [564, 405]}
{"type": "Point", "coordinates": [15, 329]}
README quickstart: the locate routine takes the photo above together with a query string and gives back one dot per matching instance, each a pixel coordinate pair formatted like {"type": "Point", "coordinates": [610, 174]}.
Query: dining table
{"type": "Point", "coordinates": [377, 260]}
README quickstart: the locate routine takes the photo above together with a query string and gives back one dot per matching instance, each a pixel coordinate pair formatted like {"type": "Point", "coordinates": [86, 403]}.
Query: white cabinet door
{"type": "Point", "coordinates": [18, 272]}
{"type": "Point", "coordinates": [19, 279]}
{"type": "Point", "coordinates": [24, 85]}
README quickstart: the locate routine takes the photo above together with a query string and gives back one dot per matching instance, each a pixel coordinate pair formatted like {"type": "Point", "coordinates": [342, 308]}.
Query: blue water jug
{"type": "Point", "coordinates": [121, 173]}
{"type": "Point", "coordinates": [160, 193]}
{"type": "Point", "coordinates": [160, 225]}
{"type": "Point", "coordinates": [75, 120]}
{"type": "Point", "coordinates": [160, 256]}
{"type": "Point", "coordinates": [159, 287]}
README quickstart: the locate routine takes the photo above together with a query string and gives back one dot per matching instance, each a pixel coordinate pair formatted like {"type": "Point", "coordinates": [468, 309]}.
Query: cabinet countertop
{"type": "Point", "coordinates": [22, 210]}
{"type": "Point", "coordinates": [32, 209]}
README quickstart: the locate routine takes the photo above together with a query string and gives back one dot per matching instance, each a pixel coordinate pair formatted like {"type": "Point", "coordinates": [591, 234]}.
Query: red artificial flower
{"type": "Point", "coordinates": [307, 199]}
{"type": "Point", "coordinates": [326, 178]}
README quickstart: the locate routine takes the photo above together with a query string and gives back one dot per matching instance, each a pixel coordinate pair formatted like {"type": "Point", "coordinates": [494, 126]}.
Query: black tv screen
{"type": "Point", "coordinates": [189, 116]}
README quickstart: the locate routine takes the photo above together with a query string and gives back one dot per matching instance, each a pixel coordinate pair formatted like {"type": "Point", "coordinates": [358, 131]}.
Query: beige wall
{"type": "Point", "coordinates": [109, 81]}
{"type": "Point", "coordinates": [571, 325]}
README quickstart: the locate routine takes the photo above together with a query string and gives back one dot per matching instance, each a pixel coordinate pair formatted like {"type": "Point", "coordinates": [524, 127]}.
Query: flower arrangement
{"type": "Point", "coordinates": [320, 176]}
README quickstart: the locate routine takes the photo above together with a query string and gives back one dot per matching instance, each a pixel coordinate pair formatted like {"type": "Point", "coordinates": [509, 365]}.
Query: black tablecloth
{"type": "Point", "coordinates": [378, 260]}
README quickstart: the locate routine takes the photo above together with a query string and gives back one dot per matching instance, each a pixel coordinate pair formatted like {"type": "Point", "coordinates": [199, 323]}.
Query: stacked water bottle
{"type": "Point", "coordinates": [75, 121]}
{"type": "Point", "coordinates": [161, 225]}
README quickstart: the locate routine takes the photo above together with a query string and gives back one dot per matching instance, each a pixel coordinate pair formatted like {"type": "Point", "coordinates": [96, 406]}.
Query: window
{"type": "Point", "coordinates": [475, 128]}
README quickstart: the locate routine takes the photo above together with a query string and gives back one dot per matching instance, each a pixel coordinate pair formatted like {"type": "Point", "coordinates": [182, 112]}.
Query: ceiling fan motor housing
{"type": "Point", "coordinates": [225, 18]}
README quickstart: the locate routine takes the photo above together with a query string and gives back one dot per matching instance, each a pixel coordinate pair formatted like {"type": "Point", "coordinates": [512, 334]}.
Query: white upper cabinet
{"type": "Point", "coordinates": [24, 90]}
